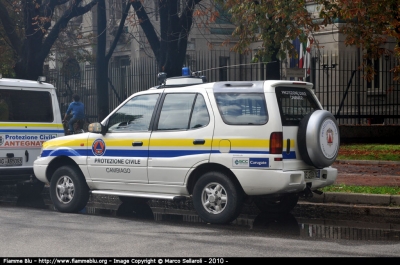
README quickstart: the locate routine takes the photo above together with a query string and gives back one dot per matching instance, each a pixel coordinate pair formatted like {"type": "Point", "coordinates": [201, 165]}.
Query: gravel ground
{"type": "Point", "coordinates": [367, 174]}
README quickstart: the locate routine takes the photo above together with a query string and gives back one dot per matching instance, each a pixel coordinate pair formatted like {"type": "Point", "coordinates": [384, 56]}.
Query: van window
{"type": "Point", "coordinates": [26, 106]}
{"type": "Point", "coordinates": [294, 104]}
{"type": "Point", "coordinates": [242, 108]}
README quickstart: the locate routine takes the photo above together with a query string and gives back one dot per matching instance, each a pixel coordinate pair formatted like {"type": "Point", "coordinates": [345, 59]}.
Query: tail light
{"type": "Point", "coordinates": [276, 143]}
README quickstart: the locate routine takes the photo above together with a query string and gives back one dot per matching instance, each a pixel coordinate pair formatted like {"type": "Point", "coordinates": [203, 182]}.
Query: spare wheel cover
{"type": "Point", "coordinates": [318, 138]}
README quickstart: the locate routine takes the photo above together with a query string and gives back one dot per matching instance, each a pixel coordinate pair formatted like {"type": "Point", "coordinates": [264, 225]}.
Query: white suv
{"type": "Point", "coordinates": [219, 143]}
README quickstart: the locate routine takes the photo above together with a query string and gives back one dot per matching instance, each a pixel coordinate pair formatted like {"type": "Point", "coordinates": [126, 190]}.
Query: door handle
{"type": "Point", "coordinates": [199, 141]}
{"type": "Point", "coordinates": [137, 143]}
{"type": "Point", "coordinates": [26, 155]}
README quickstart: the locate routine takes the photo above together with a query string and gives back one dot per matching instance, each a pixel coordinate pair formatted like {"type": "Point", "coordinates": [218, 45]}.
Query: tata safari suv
{"type": "Point", "coordinates": [220, 144]}
{"type": "Point", "coordinates": [29, 116]}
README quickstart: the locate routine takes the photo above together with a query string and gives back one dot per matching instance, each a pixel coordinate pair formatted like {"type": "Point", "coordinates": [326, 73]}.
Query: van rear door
{"type": "Point", "coordinates": [33, 118]}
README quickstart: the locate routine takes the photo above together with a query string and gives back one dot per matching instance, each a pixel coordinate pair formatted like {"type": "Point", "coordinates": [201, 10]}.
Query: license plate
{"type": "Point", "coordinates": [312, 174]}
{"type": "Point", "coordinates": [10, 161]}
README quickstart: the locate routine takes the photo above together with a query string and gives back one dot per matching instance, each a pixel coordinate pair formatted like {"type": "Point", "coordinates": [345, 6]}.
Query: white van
{"type": "Point", "coordinates": [29, 116]}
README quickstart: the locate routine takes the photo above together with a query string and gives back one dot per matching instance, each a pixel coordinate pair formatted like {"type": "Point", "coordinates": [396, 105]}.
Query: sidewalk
{"type": "Point", "coordinates": [366, 173]}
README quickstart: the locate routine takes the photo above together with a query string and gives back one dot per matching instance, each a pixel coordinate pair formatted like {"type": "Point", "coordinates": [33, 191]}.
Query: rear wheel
{"type": "Point", "coordinates": [282, 204]}
{"type": "Point", "coordinates": [68, 189]}
{"type": "Point", "coordinates": [216, 198]}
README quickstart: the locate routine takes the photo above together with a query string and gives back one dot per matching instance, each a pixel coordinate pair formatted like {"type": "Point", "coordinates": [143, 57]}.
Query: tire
{"type": "Point", "coordinates": [318, 139]}
{"type": "Point", "coordinates": [133, 200]}
{"type": "Point", "coordinates": [216, 198]}
{"type": "Point", "coordinates": [282, 204]}
{"type": "Point", "coordinates": [68, 189]}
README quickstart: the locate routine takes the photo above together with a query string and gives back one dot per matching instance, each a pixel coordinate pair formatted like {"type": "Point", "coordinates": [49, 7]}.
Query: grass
{"type": "Point", "coordinates": [383, 152]}
{"type": "Point", "coordinates": [362, 189]}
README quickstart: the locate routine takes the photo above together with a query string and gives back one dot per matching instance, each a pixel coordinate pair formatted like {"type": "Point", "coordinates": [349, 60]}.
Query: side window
{"type": "Point", "coordinates": [183, 112]}
{"type": "Point", "coordinates": [175, 112]}
{"type": "Point", "coordinates": [25, 106]}
{"type": "Point", "coordinates": [242, 108]}
{"type": "Point", "coordinates": [135, 115]}
{"type": "Point", "coordinates": [200, 116]}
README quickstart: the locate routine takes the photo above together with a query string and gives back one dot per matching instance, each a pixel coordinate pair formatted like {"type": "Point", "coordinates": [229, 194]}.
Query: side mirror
{"type": "Point", "coordinates": [96, 127]}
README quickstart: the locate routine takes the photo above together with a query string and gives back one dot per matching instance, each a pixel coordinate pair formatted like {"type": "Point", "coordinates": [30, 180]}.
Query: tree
{"type": "Point", "coordinates": [273, 24]}
{"type": "Point", "coordinates": [369, 25]}
{"type": "Point", "coordinates": [169, 47]}
{"type": "Point", "coordinates": [31, 33]}
{"type": "Point", "coordinates": [103, 58]}
{"type": "Point", "coordinates": [6, 57]}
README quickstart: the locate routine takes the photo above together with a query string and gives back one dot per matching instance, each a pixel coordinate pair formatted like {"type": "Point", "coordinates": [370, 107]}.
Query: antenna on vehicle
{"type": "Point", "coordinates": [162, 77]}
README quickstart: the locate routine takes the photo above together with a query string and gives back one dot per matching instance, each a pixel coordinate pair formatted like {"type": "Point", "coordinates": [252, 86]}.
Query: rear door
{"type": "Point", "coordinates": [182, 137]}
{"type": "Point", "coordinates": [294, 103]}
{"type": "Point", "coordinates": [28, 120]}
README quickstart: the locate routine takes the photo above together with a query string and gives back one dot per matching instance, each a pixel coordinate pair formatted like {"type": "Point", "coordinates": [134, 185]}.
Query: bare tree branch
{"type": "Point", "coordinates": [147, 27]}
{"type": "Point", "coordinates": [119, 31]}
{"type": "Point", "coordinates": [61, 24]}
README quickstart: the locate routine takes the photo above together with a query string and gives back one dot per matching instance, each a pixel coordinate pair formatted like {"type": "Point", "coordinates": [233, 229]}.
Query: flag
{"type": "Point", "coordinates": [301, 55]}
{"type": "Point", "coordinates": [307, 58]}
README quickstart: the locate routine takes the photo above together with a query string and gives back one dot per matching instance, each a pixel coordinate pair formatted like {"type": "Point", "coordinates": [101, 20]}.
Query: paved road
{"type": "Point", "coordinates": [27, 232]}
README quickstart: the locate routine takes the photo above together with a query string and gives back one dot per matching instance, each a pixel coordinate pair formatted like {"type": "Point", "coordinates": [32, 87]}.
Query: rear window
{"type": "Point", "coordinates": [242, 108]}
{"type": "Point", "coordinates": [294, 104]}
{"type": "Point", "coordinates": [25, 106]}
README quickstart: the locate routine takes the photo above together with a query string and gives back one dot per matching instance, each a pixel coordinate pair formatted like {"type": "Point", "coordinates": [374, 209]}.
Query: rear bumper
{"type": "Point", "coordinates": [264, 182]}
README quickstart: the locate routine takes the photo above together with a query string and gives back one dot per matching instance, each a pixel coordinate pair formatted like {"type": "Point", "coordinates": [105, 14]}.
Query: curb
{"type": "Point", "coordinates": [355, 198]}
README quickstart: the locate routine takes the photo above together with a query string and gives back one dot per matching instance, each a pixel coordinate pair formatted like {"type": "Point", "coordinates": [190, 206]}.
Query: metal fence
{"type": "Point", "coordinates": [338, 83]}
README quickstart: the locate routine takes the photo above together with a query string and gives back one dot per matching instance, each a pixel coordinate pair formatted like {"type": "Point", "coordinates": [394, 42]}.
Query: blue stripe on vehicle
{"type": "Point", "coordinates": [145, 153]}
{"type": "Point", "coordinates": [65, 152]}
{"type": "Point", "coordinates": [291, 155]}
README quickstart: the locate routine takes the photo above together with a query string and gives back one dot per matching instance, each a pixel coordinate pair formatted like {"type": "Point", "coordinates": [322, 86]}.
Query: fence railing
{"type": "Point", "coordinates": [338, 83]}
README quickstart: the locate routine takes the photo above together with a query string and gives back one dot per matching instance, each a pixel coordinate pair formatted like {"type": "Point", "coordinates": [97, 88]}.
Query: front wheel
{"type": "Point", "coordinates": [216, 198]}
{"type": "Point", "coordinates": [68, 189]}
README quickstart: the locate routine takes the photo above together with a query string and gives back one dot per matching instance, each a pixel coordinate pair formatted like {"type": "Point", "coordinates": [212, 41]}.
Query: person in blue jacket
{"type": "Point", "coordinates": [77, 109]}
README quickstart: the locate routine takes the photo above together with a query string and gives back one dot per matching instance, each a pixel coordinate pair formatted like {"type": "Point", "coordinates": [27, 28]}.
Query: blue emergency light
{"type": "Point", "coordinates": [185, 71]}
